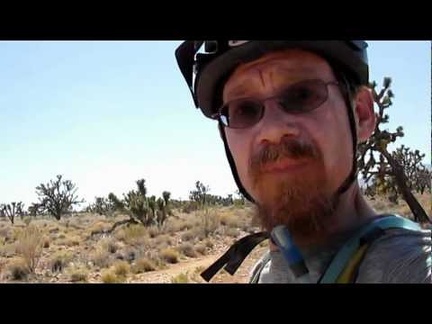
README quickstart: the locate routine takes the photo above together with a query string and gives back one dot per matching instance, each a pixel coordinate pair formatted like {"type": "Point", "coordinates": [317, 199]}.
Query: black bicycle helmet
{"type": "Point", "coordinates": [205, 71]}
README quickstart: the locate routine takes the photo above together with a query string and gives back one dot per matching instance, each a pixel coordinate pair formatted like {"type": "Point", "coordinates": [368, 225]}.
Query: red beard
{"type": "Point", "coordinates": [301, 199]}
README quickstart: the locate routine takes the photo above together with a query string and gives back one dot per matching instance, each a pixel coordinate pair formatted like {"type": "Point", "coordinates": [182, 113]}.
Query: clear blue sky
{"type": "Point", "coordinates": [105, 114]}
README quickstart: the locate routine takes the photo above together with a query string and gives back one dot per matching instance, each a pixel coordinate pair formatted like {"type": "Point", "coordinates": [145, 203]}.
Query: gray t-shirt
{"type": "Point", "coordinates": [398, 256]}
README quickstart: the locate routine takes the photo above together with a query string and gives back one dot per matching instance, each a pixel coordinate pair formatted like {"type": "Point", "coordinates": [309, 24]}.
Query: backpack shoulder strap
{"type": "Point", "coordinates": [349, 256]}
{"type": "Point", "coordinates": [256, 272]}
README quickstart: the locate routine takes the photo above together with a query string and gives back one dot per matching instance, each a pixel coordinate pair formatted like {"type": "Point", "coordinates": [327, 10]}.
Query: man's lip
{"type": "Point", "coordinates": [284, 165]}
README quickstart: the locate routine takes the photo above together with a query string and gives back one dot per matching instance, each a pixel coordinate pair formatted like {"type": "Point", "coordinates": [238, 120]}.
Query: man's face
{"type": "Point", "coordinates": [291, 164]}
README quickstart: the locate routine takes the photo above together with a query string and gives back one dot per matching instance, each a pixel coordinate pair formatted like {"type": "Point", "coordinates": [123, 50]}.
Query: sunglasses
{"type": "Point", "coordinates": [300, 97]}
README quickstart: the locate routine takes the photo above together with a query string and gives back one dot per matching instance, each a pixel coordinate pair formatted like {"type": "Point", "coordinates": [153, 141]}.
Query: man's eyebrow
{"type": "Point", "coordinates": [239, 90]}
{"type": "Point", "coordinates": [288, 74]}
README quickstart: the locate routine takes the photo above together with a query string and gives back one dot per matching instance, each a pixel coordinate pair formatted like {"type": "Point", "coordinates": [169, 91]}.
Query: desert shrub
{"type": "Point", "coordinates": [187, 249]}
{"type": "Point", "coordinates": [78, 275]}
{"type": "Point", "coordinates": [169, 255]}
{"type": "Point", "coordinates": [108, 276]}
{"type": "Point", "coordinates": [60, 260]}
{"type": "Point", "coordinates": [121, 268]}
{"type": "Point", "coordinates": [143, 265]}
{"type": "Point", "coordinates": [18, 269]}
{"type": "Point", "coordinates": [29, 246]}
{"type": "Point", "coordinates": [180, 278]}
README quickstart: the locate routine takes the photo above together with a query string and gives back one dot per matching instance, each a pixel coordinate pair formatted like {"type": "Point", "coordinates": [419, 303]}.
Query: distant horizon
{"type": "Point", "coordinates": [149, 194]}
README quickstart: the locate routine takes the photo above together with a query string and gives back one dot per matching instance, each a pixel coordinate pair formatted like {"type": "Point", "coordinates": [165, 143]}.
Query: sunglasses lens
{"type": "Point", "coordinates": [241, 113]}
{"type": "Point", "coordinates": [304, 96]}
{"type": "Point", "coordinates": [300, 97]}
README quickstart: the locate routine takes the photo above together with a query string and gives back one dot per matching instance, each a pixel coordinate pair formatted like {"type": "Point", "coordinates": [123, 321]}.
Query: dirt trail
{"type": "Point", "coordinates": [165, 275]}
{"type": "Point", "coordinates": [193, 267]}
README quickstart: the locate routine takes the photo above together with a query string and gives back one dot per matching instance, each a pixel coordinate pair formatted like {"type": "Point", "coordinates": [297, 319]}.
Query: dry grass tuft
{"type": "Point", "coordinates": [108, 276]}
{"type": "Point", "coordinates": [60, 260]}
{"type": "Point", "coordinates": [169, 255]}
{"type": "Point", "coordinates": [209, 221]}
{"type": "Point", "coordinates": [108, 244]}
{"type": "Point", "coordinates": [121, 268]}
{"type": "Point", "coordinates": [188, 250]}
{"type": "Point", "coordinates": [180, 278]}
{"type": "Point", "coordinates": [78, 274]}
{"type": "Point", "coordinates": [163, 241]}
{"type": "Point", "coordinates": [201, 249]}
{"type": "Point", "coordinates": [135, 234]}
{"type": "Point", "coordinates": [18, 269]}
{"type": "Point", "coordinates": [29, 245]}
{"type": "Point", "coordinates": [100, 257]}
{"type": "Point", "coordinates": [230, 220]}
{"type": "Point", "coordinates": [143, 265]}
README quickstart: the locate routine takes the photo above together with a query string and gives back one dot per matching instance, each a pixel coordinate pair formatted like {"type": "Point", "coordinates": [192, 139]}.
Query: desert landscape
{"type": "Point", "coordinates": [80, 248]}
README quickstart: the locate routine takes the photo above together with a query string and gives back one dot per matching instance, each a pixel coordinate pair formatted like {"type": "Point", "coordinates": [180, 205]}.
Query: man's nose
{"type": "Point", "coordinates": [276, 123]}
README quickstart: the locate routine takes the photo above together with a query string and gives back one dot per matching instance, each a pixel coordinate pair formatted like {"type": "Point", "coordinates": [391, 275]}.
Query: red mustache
{"type": "Point", "coordinates": [287, 148]}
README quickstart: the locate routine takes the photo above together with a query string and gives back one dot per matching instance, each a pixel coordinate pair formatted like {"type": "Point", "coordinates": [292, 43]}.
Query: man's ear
{"type": "Point", "coordinates": [365, 114]}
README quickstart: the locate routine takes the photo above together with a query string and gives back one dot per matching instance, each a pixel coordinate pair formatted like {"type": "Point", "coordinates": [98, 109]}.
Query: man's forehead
{"type": "Point", "coordinates": [290, 57]}
{"type": "Point", "coordinates": [287, 65]}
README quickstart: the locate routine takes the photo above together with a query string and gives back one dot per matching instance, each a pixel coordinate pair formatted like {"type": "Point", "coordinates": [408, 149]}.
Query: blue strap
{"type": "Point", "coordinates": [347, 251]}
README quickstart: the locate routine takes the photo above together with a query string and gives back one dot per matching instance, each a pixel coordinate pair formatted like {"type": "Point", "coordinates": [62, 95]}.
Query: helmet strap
{"type": "Point", "coordinates": [232, 164]}
{"type": "Point", "coordinates": [350, 107]}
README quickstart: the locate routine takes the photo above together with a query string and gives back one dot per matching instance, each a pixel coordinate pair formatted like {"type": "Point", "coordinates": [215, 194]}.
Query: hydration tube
{"type": "Point", "coordinates": [282, 238]}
